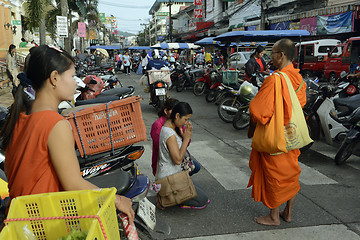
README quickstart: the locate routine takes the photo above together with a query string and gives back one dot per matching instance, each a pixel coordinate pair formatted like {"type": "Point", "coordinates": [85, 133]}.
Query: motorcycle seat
{"type": "Point", "coordinates": [352, 102]}
{"type": "Point", "coordinates": [119, 179]}
{"type": "Point", "coordinates": [103, 99]}
{"type": "Point", "coordinates": [116, 92]}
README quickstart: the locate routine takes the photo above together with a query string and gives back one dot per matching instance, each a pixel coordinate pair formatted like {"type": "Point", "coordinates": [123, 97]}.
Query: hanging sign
{"type": "Point", "coordinates": [62, 27]}
{"type": "Point", "coordinates": [198, 13]}
{"type": "Point", "coordinates": [198, 2]}
{"type": "Point", "coordinates": [82, 29]}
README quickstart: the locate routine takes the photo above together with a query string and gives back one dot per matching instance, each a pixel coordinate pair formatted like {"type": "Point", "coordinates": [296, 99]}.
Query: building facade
{"type": "Point", "coordinates": [320, 17]}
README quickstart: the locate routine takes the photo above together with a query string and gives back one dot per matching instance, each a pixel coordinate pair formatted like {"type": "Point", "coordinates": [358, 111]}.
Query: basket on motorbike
{"type": "Point", "coordinates": [230, 77]}
{"type": "Point", "coordinates": [58, 214]}
{"type": "Point", "coordinates": [159, 75]}
{"type": "Point", "coordinates": [108, 126]}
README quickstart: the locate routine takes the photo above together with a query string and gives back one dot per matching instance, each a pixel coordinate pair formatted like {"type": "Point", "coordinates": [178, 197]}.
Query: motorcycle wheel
{"type": "Point", "coordinates": [180, 85]}
{"type": "Point", "coordinates": [241, 119]}
{"type": "Point", "coordinates": [344, 152]}
{"type": "Point", "coordinates": [199, 88]}
{"type": "Point", "coordinates": [225, 115]}
{"type": "Point", "coordinates": [211, 96]}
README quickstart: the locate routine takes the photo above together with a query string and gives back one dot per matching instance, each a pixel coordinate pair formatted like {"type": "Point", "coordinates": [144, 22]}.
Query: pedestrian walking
{"type": "Point", "coordinates": [275, 178]}
{"type": "Point", "coordinates": [127, 63]}
{"type": "Point", "coordinates": [11, 66]}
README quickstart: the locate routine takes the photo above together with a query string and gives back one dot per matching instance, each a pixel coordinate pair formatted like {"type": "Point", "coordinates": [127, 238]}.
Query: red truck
{"type": "Point", "coordinates": [345, 60]}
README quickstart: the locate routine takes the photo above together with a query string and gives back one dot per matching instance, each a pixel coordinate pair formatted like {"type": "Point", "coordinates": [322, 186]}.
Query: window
{"type": "Point", "coordinates": [309, 50]}
{"type": "Point", "coordinates": [326, 49]}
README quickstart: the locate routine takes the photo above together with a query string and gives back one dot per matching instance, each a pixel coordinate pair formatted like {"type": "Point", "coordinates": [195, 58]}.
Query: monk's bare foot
{"type": "Point", "coordinates": [267, 220]}
{"type": "Point", "coordinates": [286, 216]}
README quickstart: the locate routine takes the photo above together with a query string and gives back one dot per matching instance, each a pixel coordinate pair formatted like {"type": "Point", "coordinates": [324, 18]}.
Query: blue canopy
{"type": "Point", "coordinates": [140, 48]}
{"type": "Point", "coordinates": [259, 35]}
{"type": "Point", "coordinates": [207, 41]}
{"type": "Point", "coordinates": [108, 47]}
{"type": "Point", "coordinates": [211, 41]}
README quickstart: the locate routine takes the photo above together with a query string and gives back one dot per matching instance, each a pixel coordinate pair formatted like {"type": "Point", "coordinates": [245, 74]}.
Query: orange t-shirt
{"type": "Point", "coordinates": [28, 165]}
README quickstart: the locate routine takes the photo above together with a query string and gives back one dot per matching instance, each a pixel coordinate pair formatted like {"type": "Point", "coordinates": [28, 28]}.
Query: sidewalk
{"type": "Point", "coordinates": [6, 98]}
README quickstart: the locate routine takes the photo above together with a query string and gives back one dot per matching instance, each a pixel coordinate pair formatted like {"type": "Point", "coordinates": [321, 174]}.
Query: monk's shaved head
{"type": "Point", "coordinates": [287, 46]}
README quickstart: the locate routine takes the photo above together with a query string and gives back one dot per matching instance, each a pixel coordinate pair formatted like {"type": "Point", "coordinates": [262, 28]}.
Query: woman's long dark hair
{"type": "Point", "coordinates": [11, 47]}
{"type": "Point", "coordinates": [183, 108]}
{"type": "Point", "coordinates": [259, 49]}
{"type": "Point", "coordinates": [42, 62]}
{"type": "Point", "coordinates": [168, 105]}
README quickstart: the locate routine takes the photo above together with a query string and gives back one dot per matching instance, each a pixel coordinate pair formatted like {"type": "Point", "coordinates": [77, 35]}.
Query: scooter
{"type": "Point", "coordinates": [317, 113]}
{"type": "Point", "coordinates": [351, 142]}
{"type": "Point", "coordinates": [203, 83]}
{"type": "Point", "coordinates": [159, 81]}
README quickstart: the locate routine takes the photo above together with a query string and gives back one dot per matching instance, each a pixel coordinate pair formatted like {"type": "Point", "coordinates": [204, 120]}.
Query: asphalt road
{"type": "Point", "coordinates": [327, 206]}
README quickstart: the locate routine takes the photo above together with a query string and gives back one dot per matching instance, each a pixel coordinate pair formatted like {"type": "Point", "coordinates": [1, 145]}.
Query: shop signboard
{"type": "Point", "coordinates": [198, 2]}
{"type": "Point", "coordinates": [62, 27]}
{"type": "Point", "coordinates": [309, 24]}
{"type": "Point", "coordinates": [82, 29]}
{"type": "Point", "coordinates": [198, 13]}
{"type": "Point", "coordinates": [333, 24]}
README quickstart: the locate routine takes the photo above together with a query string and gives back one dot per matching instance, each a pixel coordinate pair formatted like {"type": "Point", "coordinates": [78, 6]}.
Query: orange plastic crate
{"type": "Point", "coordinates": [91, 126]}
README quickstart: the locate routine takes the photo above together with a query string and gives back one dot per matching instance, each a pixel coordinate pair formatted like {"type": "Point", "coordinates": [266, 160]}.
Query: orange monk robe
{"type": "Point", "coordinates": [275, 178]}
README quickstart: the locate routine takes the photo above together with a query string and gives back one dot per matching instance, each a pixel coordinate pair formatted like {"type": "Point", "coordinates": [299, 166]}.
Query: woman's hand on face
{"type": "Point", "coordinates": [124, 205]}
{"type": "Point", "coordinates": [188, 131]}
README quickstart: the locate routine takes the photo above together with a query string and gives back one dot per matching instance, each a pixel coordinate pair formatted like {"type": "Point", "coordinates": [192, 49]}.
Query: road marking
{"type": "Point", "coordinates": [323, 232]}
{"type": "Point", "coordinates": [228, 175]}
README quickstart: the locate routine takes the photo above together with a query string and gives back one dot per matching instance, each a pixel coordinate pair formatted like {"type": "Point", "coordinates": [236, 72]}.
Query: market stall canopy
{"type": "Point", "coordinates": [175, 46]}
{"type": "Point", "coordinates": [236, 36]}
{"type": "Point", "coordinates": [140, 48]}
{"type": "Point", "coordinates": [108, 47]}
{"type": "Point", "coordinates": [103, 51]}
{"type": "Point", "coordinates": [207, 41]}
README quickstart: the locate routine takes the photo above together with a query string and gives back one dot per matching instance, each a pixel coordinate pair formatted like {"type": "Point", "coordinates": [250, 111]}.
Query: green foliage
{"type": "Point", "coordinates": [75, 235]}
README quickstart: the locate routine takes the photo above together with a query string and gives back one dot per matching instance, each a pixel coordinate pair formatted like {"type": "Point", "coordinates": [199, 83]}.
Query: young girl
{"type": "Point", "coordinates": [173, 144]}
{"type": "Point", "coordinates": [11, 66]}
{"type": "Point", "coordinates": [38, 142]}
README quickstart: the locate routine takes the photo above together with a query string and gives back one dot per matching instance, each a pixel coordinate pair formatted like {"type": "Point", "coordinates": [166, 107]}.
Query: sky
{"type": "Point", "coordinates": [129, 13]}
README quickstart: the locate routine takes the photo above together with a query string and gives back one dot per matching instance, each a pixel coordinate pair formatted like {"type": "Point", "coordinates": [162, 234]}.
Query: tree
{"type": "Point", "coordinates": [36, 16]}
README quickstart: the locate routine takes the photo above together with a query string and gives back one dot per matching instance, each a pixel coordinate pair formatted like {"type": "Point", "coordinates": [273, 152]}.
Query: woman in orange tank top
{"type": "Point", "coordinates": [38, 142]}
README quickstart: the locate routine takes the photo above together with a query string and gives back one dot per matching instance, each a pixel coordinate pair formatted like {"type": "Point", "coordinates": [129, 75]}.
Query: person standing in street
{"type": "Point", "coordinates": [127, 63]}
{"type": "Point", "coordinates": [11, 67]}
{"type": "Point", "coordinates": [275, 178]}
{"type": "Point", "coordinates": [256, 63]}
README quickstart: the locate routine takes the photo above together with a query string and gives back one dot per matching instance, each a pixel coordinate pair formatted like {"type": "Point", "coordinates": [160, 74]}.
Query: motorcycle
{"type": "Point", "coordinates": [159, 81]}
{"type": "Point", "coordinates": [238, 101]}
{"type": "Point", "coordinates": [351, 141]}
{"type": "Point", "coordinates": [187, 78]}
{"type": "Point", "coordinates": [317, 110]}
{"type": "Point", "coordinates": [203, 83]}
{"type": "Point", "coordinates": [216, 86]}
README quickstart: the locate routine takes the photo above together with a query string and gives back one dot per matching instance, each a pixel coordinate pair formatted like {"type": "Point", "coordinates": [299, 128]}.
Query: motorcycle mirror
{"type": "Point", "coordinates": [358, 68]}
{"type": "Point", "coordinates": [92, 81]}
{"type": "Point", "coordinates": [343, 74]}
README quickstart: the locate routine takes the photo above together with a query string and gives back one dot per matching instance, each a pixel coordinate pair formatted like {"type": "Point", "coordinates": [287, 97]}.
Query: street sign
{"type": "Point", "coordinates": [198, 2]}
{"type": "Point", "coordinates": [198, 13]}
{"type": "Point", "coordinates": [16, 22]}
{"type": "Point", "coordinates": [82, 29]}
{"type": "Point", "coordinates": [62, 27]}
{"type": "Point", "coordinates": [102, 17]}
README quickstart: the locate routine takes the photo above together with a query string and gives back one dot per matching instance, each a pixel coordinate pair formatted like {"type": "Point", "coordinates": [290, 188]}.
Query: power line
{"type": "Point", "coordinates": [123, 5]}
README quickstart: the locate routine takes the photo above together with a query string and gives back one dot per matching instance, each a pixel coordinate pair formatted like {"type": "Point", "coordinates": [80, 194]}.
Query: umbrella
{"type": "Point", "coordinates": [175, 46]}
{"type": "Point", "coordinates": [103, 51]}
{"type": "Point", "coordinates": [207, 41]}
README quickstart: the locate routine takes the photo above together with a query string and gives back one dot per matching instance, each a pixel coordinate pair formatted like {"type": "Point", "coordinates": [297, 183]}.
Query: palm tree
{"type": "Point", "coordinates": [36, 16]}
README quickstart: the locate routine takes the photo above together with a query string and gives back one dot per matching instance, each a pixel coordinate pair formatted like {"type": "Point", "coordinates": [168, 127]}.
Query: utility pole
{"type": "Point", "coordinates": [170, 22]}
{"type": "Point", "coordinates": [262, 17]}
{"type": "Point", "coordinates": [64, 12]}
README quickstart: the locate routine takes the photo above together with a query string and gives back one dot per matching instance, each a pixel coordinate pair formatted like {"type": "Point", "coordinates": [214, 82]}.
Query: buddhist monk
{"type": "Point", "coordinates": [275, 178]}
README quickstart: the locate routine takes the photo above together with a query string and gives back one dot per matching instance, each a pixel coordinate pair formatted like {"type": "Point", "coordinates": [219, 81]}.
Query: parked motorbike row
{"type": "Point", "coordinates": [332, 111]}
